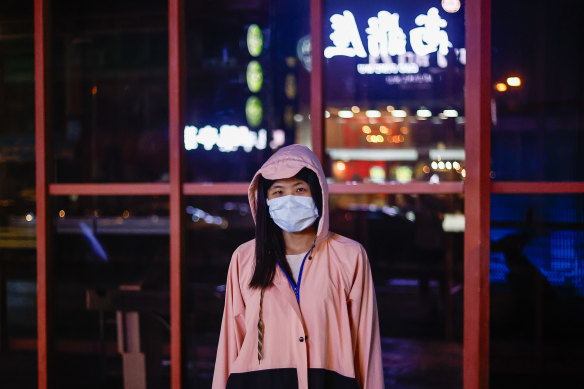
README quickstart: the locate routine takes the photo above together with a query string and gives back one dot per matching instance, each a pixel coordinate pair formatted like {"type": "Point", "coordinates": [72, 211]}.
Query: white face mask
{"type": "Point", "coordinates": [293, 213]}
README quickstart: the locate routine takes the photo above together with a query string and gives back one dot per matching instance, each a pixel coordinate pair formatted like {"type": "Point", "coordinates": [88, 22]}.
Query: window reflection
{"type": "Point", "coordinates": [394, 92]}
{"type": "Point", "coordinates": [537, 288]}
{"type": "Point", "coordinates": [111, 282]}
{"type": "Point", "coordinates": [110, 95]}
{"type": "Point", "coordinates": [17, 197]}
{"type": "Point", "coordinates": [247, 87]}
{"type": "Point", "coordinates": [536, 108]}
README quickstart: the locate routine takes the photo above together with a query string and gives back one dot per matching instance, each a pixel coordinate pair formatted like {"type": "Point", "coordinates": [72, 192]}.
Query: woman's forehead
{"type": "Point", "coordinates": [288, 182]}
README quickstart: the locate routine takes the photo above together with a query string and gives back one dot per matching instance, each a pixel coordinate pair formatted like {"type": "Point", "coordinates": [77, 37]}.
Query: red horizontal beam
{"type": "Point", "coordinates": [240, 188]}
{"type": "Point", "coordinates": [102, 189]}
{"type": "Point", "coordinates": [220, 188]}
{"type": "Point", "coordinates": [536, 187]}
{"type": "Point", "coordinates": [410, 188]}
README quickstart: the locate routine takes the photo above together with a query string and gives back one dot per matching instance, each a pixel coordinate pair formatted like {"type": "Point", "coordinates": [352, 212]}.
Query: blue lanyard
{"type": "Point", "coordinates": [296, 288]}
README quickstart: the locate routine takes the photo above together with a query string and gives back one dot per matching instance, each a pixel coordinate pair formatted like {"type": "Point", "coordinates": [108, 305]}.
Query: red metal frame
{"type": "Point", "coordinates": [317, 78]}
{"type": "Point", "coordinates": [41, 42]}
{"type": "Point", "coordinates": [477, 195]}
{"type": "Point", "coordinates": [176, 78]}
{"type": "Point", "coordinates": [536, 187]}
{"type": "Point", "coordinates": [129, 189]}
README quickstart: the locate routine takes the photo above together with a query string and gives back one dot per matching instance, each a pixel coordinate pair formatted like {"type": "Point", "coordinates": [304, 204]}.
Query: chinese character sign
{"type": "Point", "coordinates": [384, 35]}
{"type": "Point", "coordinates": [345, 37]}
{"type": "Point", "coordinates": [386, 38]}
{"type": "Point", "coordinates": [429, 37]}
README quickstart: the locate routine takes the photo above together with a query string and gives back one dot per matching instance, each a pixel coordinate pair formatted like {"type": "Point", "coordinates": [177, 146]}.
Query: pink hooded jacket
{"type": "Point", "coordinates": [330, 339]}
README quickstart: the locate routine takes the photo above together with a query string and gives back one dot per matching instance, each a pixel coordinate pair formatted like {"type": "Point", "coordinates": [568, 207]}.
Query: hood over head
{"type": "Point", "coordinates": [285, 163]}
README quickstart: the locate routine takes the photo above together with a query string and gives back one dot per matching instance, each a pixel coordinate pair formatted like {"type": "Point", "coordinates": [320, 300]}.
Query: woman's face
{"type": "Point", "coordinates": [288, 186]}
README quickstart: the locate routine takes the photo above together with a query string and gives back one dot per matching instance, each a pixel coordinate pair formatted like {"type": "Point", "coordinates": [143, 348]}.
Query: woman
{"type": "Point", "coordinates": [300, 309]}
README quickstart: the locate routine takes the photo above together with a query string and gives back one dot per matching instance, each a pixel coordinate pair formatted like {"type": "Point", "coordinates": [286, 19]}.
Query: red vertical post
{"type": "Point", "coordinates": [41, 54]}
{"type": "Point", "coordinates": [317, 78]}
{"type": "Point", "coordinates": [175, 110]}
{"type": "Point", "coordinates": [477, 194]}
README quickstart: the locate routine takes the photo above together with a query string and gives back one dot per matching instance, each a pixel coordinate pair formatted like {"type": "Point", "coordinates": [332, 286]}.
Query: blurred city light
{"type": "Point", "coordinates": [451, 6]}
{"type": "Point", "coordinates": [373, 113]}
{"type": "Point", "coordinates": [513, 81]}
{"type": "Point", "coordinates": [423, 113]}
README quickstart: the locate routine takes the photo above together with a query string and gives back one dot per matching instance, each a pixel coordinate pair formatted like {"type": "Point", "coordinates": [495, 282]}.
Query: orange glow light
{"type": "Point", "coordinates": [404, 130]}
{"type": "Point", "coordinates": [501, 87]}
{"type": "Point", "coordinates": [383, 129]}
{"type": "Point", "coordinates": [94, 90]}
{"type": "Point", "coordinates": [366, 129]}
{"type": "Point", "coordinates": [513, 81]}
{"type": "Point", "coordinates": [340, 166]}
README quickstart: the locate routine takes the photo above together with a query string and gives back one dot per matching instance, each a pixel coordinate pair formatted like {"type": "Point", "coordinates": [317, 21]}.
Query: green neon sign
{"type": "Point", "coordinates": [254, 76]}
{"type": "Point", "coordinates": [255, 40]}
{"type": "Point", "coordinates": [253, 111]}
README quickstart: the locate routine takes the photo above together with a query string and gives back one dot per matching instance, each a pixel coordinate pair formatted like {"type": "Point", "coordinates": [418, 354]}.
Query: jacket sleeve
{"type": "Point", "coordinates": [365, 327]}
{"type": "Point", "coordinates": [232, 326]}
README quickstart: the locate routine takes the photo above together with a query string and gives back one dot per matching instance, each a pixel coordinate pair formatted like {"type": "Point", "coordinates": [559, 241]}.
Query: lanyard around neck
{"type": "Point", "coordinates": [296, 287]}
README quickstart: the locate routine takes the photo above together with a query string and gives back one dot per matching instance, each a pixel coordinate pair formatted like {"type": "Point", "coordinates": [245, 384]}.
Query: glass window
{"type": "Point", "coordinates": [248, 85]}
{"type": "Point", "coordinates": [415, 247]}
{"type": "Point", "coordinates": [394, 91]}
{"type": "Point", "coordinates": [111, 291]}
{"type": "Point", "coordinates": [110, 91]}
{"type": "Point", "coordinates": [537, 289]}
{"type": "Point", "coordinates": [18, 358]}
{"type": "Point", "coordinates": [537, 99]}
{"type": "Point", "coordinates": [215, 227]}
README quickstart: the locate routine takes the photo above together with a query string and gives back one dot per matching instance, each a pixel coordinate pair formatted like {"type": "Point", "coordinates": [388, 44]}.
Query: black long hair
{"type": "Point", "coordinates": [269, 241]}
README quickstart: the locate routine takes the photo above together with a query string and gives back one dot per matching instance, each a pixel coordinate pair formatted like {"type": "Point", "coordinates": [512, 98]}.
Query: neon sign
{"type": "Point", "coordinates": [227, 138]}
{"type": "Point", "coordinates": [254, 112]}
{"type": "Point", "coordinates": [387, 42]}
{"type": "Point", "coordinates": [254, 40]}
{"type": "Point", "coordinates": [254, 76]}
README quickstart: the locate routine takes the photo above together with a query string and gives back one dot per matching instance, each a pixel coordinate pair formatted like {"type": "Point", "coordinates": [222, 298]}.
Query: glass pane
{"type": "Point", "coordinates": [248, 85]}
{"type": "Point", "coordinates": [537, 127]}
{"type": "Point", "coordinates": [110, 91]}
{"type": "Point", "coordinates": [111, 302]}
{"type": "Point", "coordinates": [394, 90]}
{"type": "Point", "coordinates": [414, 245]}
{"type": "Point", "coordinates": [216, 226]}
{"type": "Point", "coordinates": [18, 360]}
{"type": "Point", "coordinates": [537, 290]}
